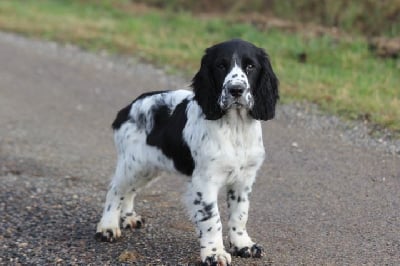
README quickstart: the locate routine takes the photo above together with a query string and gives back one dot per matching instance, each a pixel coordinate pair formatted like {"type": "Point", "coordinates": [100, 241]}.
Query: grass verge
{"type": "Point", "coordinates": [341, 76]}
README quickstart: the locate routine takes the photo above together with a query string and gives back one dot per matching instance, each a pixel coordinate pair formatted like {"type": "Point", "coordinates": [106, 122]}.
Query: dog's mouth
{"type": "Point", "coordinates": [227, 101]}
{"type": "Point", "coordinates": [237, 105]}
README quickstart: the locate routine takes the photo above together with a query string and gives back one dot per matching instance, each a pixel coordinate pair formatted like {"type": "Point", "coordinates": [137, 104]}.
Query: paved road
{"type": "Point", "coordinates": [317, 200]}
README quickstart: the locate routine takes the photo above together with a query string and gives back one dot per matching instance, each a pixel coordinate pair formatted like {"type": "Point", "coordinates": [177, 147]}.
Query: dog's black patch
{"type": "Point", "coordinates": [167, 135]}
{"type": "Point", "coordinates": [207, 212]}
{"type": "Point", "coordinates": [231, 194]}
{"type": "Point", "coordinates": [123, 114]}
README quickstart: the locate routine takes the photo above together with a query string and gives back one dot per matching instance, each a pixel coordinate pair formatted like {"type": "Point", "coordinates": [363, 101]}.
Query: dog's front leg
{"type": "Point", "coordinates": [238, 205]}
{"type": "Point", "coordinates": [203, 207]}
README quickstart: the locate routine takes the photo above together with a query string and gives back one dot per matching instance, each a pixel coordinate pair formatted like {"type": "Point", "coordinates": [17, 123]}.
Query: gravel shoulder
{"type": "Point", "coordinates": [327, 193]}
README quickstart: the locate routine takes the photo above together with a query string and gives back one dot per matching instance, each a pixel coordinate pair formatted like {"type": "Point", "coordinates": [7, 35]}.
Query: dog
{"type": "Point", "coordinates": [212, 134]}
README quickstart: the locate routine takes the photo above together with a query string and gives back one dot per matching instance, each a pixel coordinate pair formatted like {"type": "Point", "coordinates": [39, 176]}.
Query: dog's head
{"type": "Point", "coordinates": [236, 74]}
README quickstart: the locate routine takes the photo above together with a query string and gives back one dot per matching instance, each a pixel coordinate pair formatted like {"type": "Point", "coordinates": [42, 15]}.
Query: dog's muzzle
{"type": "Point", "coordinates": [236, 95]}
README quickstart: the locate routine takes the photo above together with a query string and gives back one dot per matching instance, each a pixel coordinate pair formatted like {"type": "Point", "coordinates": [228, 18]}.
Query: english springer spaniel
{"type": "Point", "coordinates": [212, 134]}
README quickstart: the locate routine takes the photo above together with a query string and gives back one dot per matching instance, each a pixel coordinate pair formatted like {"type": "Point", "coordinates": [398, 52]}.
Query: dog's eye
{"type": "Point", "coordinates": [221, 66]}
{"type": "Point", "coordinates": [249, 68]}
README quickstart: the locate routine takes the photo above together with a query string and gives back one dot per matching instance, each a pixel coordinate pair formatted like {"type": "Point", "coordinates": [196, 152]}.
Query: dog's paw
{"type": "Point", "coordinates": [132, 221]}
{"type": "Point", "coordinates": [255, 251]}
{"type": "Point", "coordinates": [107, 234]}
{"type": "Point", "coordinates": [218, 259]}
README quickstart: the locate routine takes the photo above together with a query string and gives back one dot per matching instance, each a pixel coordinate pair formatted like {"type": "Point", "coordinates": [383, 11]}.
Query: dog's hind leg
{"type": "Point", "coordinates": [129, 218]}
{"type": "Point", "coordinates": [108, 228]}
{"type": "Point", "coordinates": [119, 205]}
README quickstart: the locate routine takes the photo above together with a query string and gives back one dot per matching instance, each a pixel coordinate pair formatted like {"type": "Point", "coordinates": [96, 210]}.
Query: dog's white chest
{"type": "Point", "coordinates": [229, 148]}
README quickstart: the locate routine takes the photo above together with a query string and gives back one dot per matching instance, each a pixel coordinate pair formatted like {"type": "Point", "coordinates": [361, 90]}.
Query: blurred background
{"type": "Point", "coordinates": [368, 17]}
{"type": "Point", "coordinates": [341, 55]}
{"type": "Point", "coordinates": [328, 194]}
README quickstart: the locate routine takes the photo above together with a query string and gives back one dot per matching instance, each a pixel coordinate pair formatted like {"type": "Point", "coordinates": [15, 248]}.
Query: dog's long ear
{"type": "Point", "coordinates": [205, 91]}
{"type": "Point", "coordinates": [265, 92]}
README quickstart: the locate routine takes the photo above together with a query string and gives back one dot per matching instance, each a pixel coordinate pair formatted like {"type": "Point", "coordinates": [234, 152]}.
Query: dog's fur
{"type": "Point", "coordinates": [213, 135]}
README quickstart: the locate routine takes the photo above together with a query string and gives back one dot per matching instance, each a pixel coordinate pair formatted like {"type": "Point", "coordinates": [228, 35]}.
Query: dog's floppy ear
{"type": "Point", "coordinates": [266, 90]}
{"type": "Point", "coordinates": [205, 91]}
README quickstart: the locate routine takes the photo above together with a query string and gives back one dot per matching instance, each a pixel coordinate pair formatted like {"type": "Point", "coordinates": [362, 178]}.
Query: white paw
{"type": "Point", "coordinates": [215, 257]}
{"type": "Point", "coordinates": [253, 251]}
{"type": "Point", "coordinates": [107, 234]}
{"type": "Point", "coordinates": [131, 220]}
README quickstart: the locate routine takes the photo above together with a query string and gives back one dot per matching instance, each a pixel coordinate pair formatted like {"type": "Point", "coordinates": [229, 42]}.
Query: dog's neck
{"type": "Point", "coordinates": [237, 115]}
{"type": "Point", "coordinates": [238, 120]}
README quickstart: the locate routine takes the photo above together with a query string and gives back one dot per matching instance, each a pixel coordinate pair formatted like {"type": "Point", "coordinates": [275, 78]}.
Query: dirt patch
{"type": "Point", "coordinates": [385, 47]}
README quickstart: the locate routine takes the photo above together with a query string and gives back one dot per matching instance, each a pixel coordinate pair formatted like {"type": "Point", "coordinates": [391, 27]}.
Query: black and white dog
{"type": "Point", "coordinates": [212, 134]}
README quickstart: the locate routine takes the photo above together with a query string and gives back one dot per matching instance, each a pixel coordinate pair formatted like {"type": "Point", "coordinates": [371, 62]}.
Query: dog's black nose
{"type": "Point", "coordinates": [236, 90]}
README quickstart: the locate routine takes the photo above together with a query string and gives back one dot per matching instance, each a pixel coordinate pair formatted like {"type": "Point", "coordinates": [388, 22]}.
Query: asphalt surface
{"type": "Point", "coordinates": [318, 199]}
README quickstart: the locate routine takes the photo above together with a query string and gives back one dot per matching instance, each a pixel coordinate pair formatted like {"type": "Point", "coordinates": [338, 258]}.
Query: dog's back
{"type": "Point", "coordinates": [148, 127]}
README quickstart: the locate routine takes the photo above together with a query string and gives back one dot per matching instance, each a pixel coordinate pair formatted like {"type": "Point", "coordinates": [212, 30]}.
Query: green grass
{"type": "Point", "coordinates": [340, 76]}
